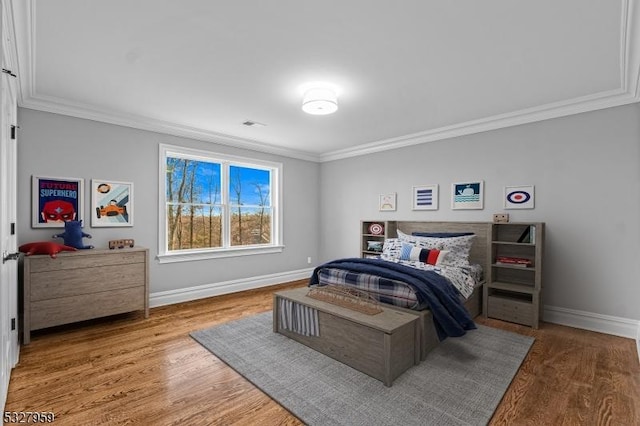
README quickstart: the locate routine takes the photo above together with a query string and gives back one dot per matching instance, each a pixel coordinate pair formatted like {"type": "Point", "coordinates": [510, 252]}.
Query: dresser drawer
{"type": "Point", "coordinates": [85, 259]}
{"type": "Point", "coordinates": [63, 283]}
{"type": "Point", "coordinates": [508, 309]}
{"type": "Point", "coordinates": [64, 310]}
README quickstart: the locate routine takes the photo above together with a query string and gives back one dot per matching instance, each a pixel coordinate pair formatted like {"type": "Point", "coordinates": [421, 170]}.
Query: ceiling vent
{"type": "Point", "coordinates": [250, 123]}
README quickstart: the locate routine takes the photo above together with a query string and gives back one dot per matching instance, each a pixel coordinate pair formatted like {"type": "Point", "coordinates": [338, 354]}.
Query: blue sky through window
{"type": "Point", "coordinates": [253, 184]}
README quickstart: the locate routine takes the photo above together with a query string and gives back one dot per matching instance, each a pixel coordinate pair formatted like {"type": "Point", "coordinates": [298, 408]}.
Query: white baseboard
{"type": "Point", "coordinates": [170, 297]}
{"type": "Point", "coordinates": [579, 319]}
{"type": "Point", "coordinates": [607, 324]}
{"type": "Point", "coordinates": [638, 341]}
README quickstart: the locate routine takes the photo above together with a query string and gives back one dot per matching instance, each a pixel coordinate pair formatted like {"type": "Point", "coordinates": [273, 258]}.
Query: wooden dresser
{"type": "Point", "coordinates": [82, 285]}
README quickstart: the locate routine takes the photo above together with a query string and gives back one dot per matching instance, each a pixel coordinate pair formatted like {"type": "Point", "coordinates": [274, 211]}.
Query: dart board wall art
{"type": "Point", "coordinates": [376, 229]}
{"type": "Point", "coordinates": [519, 197]}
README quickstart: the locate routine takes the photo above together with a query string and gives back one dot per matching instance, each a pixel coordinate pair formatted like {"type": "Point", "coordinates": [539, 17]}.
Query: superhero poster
{"type": "Point", "coordinates": [55, 201]}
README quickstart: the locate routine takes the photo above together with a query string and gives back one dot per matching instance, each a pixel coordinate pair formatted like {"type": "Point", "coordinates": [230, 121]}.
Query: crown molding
{"type": "Point", "coordinates": [629, 92]}
{"type": "Point", "coordinates": [630, 48]}
{"type": "Point", "coordinates": [545, 112]}
{"type": "Point", "coordinates": [9, 45]}
{"type": "Point", "coordinates": [24, 22]}
{"type": "Point", "coordinates": [58, 106]}
{"type": "Point", "coordinates": [21, 25]}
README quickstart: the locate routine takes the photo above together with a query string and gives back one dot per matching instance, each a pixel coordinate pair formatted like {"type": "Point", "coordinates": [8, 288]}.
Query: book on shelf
{"type": "Point", "coordinates": [528, 235]}
{"type": "Point", "coordinates": [513, 261]}
{"type": "Point", "coordinates": [517, 265]}
{"type": "Point", "coordinates": [532, 234]}
{"type": "Point", "coordinates": [525, 237]}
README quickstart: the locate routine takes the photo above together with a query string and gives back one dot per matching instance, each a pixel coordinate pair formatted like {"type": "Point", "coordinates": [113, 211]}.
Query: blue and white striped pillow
{"type": "Point", "coordinates": [414, 253]}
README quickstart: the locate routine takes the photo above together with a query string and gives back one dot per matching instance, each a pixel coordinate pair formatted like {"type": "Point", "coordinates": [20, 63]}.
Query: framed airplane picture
{"type": "Point", "coordinates": [111, 203]}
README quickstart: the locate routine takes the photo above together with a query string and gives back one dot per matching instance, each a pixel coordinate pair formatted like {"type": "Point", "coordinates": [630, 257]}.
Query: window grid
{"type": "Point", "coordinates": [244, 223]}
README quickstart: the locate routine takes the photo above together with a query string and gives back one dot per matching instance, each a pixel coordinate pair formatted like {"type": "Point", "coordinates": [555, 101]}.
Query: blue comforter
{"type": "Point", "coordinates": [450, 317]}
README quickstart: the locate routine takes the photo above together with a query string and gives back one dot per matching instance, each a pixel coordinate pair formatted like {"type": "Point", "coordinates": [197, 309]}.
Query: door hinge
{"type": "Point", "coordinates": [13, 228]}
{"type": "Point", "coordinates": [14, 131]}
{"type": "Point", "coordinates": [6, 71]}
{"type": "Point", "coordinates": [13, 324]}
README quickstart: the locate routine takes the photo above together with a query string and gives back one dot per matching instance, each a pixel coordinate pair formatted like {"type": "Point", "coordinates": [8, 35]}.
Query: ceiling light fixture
{"type": "Point", "coordinates": [320, 100]}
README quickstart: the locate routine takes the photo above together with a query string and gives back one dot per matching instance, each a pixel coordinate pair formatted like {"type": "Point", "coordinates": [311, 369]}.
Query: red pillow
{"type": "Point", "coordinates": [44, 247]}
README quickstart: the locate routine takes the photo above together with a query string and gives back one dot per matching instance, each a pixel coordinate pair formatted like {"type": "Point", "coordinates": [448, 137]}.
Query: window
{"type": "Point", "coordinates": [215, 205]}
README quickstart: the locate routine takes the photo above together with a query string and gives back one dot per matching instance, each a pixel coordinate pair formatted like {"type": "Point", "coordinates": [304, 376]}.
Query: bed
{"type": "Point", "coordinates": [398, 291]}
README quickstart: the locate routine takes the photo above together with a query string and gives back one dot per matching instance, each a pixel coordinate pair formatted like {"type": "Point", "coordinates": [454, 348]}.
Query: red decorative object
{"type": "Point", "coordinates": [516, 261]}
{"type": "Point", "coordinates": [376, 229]}
{"type": "Point", "coordinates": [44, 247]}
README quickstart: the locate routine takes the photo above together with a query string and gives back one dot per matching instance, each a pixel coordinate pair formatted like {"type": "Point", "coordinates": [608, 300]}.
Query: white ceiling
{"type": "Point", "coordinates": [408, 72]}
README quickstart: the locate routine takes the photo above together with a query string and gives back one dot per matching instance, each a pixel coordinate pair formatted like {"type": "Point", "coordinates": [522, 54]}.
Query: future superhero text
{"type": "Point", "coordinates": [58, 189]}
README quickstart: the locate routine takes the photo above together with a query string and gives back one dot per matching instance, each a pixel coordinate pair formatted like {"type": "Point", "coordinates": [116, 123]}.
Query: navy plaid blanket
{"type": "Point", "coordinates": [391, 292]}
{"type": "Point", "coordinates": [432, 290]}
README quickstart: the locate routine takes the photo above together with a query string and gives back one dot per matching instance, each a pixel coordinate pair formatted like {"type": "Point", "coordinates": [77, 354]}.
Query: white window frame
{"type": "Point", "coordinates": [276, 246]}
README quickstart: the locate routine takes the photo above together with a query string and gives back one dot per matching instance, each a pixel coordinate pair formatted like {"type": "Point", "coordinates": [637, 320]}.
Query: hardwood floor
{"type": "Point", "coordinates": [132, 370]}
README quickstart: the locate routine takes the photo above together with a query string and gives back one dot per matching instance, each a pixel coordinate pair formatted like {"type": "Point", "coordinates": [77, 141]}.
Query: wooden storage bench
{"type": "Point", "coordinates": [82, 285]}
{"type": "Point", "coordinates": [383, 346]}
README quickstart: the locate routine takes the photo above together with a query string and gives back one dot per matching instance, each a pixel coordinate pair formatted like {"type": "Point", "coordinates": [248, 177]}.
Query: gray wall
{"type": "Point", "coordinates": [585, 169]}
{"type": "Point", "coordinates": [57, 145]}
{"type": "Point", "coordinates": [586, 172]}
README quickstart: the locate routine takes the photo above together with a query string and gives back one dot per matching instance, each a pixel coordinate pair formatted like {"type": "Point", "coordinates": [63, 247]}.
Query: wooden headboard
{"type": "Point", "coordinates": [481, 244]}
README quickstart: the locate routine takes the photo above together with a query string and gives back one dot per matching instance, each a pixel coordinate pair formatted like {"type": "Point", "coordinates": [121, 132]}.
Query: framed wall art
{"type": "Point", "coordinates": [111, 203]}
{"type": "Point", "coordinates": [467, 195]}
{"type": "Point", "coordinates": [387, 202]}
{"type": "Point", "coordinates": [55, 200]}
{"type": "Point", "coordinates": [519, 197]}
{"type": "Point", "coordinates": [425, 197]}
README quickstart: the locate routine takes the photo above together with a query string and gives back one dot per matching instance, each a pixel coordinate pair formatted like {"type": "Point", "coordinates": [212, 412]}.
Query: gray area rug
{"type": "Point", "coordinates": [460, 383]}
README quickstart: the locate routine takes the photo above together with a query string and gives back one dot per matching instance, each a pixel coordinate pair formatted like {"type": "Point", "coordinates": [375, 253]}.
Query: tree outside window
{"type": "Point", "coordinates": [217, 203]}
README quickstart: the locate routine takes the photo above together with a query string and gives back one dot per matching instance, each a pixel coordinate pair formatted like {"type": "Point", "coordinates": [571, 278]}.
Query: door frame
{"type": "Point", "coordinates": [9, 334]}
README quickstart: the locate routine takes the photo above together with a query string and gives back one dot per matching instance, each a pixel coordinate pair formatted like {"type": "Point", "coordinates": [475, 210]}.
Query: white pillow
{"type": "Point", "coordinates": [391, 249]}
{"type": "Point", "coordinates": [458, 247]}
